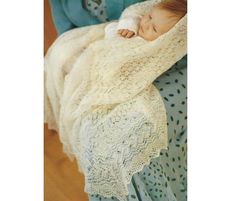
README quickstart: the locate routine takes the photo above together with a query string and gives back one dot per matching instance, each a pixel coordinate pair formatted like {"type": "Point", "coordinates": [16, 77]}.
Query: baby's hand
{"type": "Point", "coordinates": [126, 33]}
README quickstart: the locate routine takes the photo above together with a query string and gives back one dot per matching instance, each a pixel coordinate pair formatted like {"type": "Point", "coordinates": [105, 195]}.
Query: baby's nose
{"type": "Point", "coordinates": [146, 26]}
{"type": "Point", "coordinates": [144, 23]}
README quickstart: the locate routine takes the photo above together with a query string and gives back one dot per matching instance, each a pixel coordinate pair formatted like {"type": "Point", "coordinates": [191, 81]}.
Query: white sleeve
{"type": "Point", "coordinates": [132, 15]}
{"type": "Point", "coordinates": [111, 30]}
{"type": "Point", "coordinates": [130, 23]}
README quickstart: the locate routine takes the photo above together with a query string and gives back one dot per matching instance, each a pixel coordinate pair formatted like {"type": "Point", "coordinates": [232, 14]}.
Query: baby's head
{"type": "Point", "coordinates": [161, 18]}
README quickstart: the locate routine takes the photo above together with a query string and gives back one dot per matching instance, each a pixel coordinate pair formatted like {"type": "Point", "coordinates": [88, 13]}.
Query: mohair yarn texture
{"type": "Point", "coordinates": [100, 98]}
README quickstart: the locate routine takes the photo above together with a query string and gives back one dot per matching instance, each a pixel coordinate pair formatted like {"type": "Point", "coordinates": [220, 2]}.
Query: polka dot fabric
{"type": "Point", "coordinates": [165, 178]}
{"type": "Point", "coordinates": [97, 9]}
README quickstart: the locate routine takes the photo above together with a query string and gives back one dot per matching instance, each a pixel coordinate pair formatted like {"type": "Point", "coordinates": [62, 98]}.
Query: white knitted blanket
{"type": "Point", "coordinates": [100, 98]}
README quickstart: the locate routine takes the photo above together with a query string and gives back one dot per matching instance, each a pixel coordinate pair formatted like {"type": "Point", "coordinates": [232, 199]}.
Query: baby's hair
{"type": "Point", "coordinates": [178, 7]}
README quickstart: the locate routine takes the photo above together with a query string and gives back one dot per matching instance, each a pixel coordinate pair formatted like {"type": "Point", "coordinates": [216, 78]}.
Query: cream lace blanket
{"type": "Point", "coordinates": [100, 98]}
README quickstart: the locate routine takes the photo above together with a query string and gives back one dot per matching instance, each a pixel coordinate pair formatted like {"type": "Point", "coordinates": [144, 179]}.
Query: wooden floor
{"type": "Point", "coordinates": [62, 180]}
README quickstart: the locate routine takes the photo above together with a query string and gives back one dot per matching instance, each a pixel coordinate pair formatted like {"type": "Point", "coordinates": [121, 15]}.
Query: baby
{"type": "Point", "coordinates": [159, 20]}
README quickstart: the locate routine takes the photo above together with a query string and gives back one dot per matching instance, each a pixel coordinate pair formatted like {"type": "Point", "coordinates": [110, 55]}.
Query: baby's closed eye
{"type": "Point", "coordinates": [154, 28]}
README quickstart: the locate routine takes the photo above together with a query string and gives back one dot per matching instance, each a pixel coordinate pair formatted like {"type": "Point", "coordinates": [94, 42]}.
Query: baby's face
{"type": "Point", "coordinates": [156, 23]}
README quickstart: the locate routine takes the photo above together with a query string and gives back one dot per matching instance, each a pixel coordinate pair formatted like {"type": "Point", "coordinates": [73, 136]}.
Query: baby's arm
{"type": "Point", "coordinates": [129, 21]}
